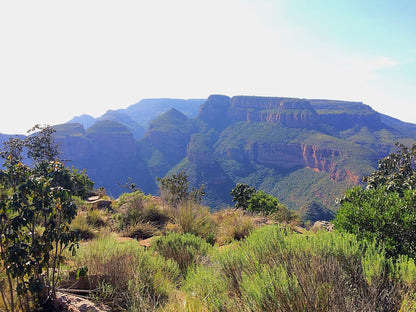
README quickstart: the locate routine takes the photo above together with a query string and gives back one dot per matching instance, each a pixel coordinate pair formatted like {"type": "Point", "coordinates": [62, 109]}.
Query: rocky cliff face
{"type": "Point", "coordinates": [214, 111]}
{"type": "Point", "coordinates": [293, 113]}
{"type": "Point", "coordinates": [72, 142]}
{"type": "Point", "coordinates": [199, 151]}
{"type": "Point", "coordinates": [107, 151]}
{"type": "Point", "coordinates": [219, 111]}
{"type": "Point", "coordinates": [110, 140]}
{"type": "Point", "coordinates": [170, 134]}
{"type": "Point", "coordinates": [343, 115]}
{"type": "Point", "coordinates": [295, 155]}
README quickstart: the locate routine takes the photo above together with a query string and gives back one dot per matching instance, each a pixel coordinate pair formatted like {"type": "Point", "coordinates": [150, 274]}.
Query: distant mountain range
{"type": "Point", "coordinates": [138, 116]}
{"type": "Point", "coordinates": [305, 152]}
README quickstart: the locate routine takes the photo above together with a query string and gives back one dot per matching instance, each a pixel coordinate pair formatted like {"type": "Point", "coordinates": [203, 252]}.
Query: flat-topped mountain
{"type": "Point", "coordinates": [302, 151]}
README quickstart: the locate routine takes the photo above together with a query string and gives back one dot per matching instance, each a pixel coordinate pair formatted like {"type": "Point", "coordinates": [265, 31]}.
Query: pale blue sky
{"type": "Point", "coordinates": [61, 59]}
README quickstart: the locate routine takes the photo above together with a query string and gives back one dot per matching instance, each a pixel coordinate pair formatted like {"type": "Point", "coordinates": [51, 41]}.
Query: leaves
{"type": "Point", "coordinates": [35, 209]}
{"type": "Point", "coordinates": [397, 171]}
{"type": "Point", "coordinates": [175, 189]}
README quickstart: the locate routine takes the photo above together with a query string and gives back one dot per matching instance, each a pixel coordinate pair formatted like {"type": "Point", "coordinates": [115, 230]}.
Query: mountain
{"type": "Point", "coordinates": [85, 120]}
{"type": "Point", "coordinates": [296, 149]}
{"type": "Point", "coordinates": [124, 119]}
{"type": "Point", "coordinates": [107, 151]}
{"type": "Point", "coordinates": [307, 152]}
{"type": "Point", "coordinates": [137, 117]}
{"type": "Point", "coordinates": [147, 110]}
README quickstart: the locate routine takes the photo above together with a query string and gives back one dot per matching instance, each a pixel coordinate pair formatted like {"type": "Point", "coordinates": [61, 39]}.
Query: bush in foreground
{"type": "Point", "coordinates": [130, 278]}
{"type": "Point", "coordinates": [187, 249]}
{"type": "Point", "coordinates": [276, 270]}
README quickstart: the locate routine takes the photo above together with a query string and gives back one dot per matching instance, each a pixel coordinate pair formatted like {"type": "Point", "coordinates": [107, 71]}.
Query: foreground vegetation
{"type": "Point", "coordinates": [170, 253]}
{"type": "Point", "coordinates": [273, 269]}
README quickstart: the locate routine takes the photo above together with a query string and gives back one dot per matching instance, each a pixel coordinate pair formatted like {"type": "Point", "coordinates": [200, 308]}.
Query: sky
{"type": "Point", "coordinates": [60, 59]}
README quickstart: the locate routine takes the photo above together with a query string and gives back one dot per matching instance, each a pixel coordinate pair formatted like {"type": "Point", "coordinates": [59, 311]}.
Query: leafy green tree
{"type": "Point", "coordinates": [396, 172]}
{"type": "Point", "coordinates": [380, 215]}
{"type": "Point", "coordinates": [41, 145]}
{"type": "Point", "coordinates": [175, 189]}
{"type": "Point", "coordinates": [241, 195]}
{"type": "Point", "coordinates": [247, 198]}
{"type": "Point", "coordinates": [385, 211]}
{"type": "Point", "coordinates": [263, 202]}
{"type": "Point", "coordinates": [35, 211]}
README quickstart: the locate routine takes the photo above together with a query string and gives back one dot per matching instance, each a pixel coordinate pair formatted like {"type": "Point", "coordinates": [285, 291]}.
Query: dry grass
{"type": "Point", "coordinates": [195, 219]}
{"type": "Point", "coordinates": [233, 225]}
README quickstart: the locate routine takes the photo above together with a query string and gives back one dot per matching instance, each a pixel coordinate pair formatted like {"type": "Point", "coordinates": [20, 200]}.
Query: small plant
{"type": "Point", "coordinates": [95, 218]}
{"type": "Point", "coordinates": [175, 189]}
{"type": "Point", "coordinates": [129, 277]}
{"type": "Point", "coordinates": [195, 219]}
{"type": "Point", "coordinates": [137, 208]}
{"type": "Point", "coordinates": [81, 227]}
{"type": "Point", "coordinates": [36, 209]}
{"type": "Point", "coordinates": [233, 225]}
{"type": "Point", "coordinates": [186, 249]}
{"type": "Point", "coordinates": [140, 231]}
{"type": "Point", "coordinates": [241, 195]}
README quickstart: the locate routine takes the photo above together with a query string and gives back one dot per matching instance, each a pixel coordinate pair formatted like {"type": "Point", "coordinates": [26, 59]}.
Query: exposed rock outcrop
{"type": "Point", "coordinates": [343, 115]}
{"type": "Point", "coordinates": [289, 112]}
{"type": "Point", "coordinates": [294, 155]}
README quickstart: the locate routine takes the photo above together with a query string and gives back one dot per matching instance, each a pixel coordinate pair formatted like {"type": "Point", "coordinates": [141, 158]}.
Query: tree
{"type": "Point", "coordinates": [386, 217]}
{"type": "Point", "coordinates": [241, 195]}
{"type": "Point", "coordinates": [247, 198]}
{"type": "Point", "coordinates": [175, 189]}
{"type": "Point", "coordinates": [384, 211]}
{"type": "Point", "coordinates": [36, 208]}
{"type": "Point", "coordinates": [262, 202]}
{"type": "Point", "coordinates": [396, 172]}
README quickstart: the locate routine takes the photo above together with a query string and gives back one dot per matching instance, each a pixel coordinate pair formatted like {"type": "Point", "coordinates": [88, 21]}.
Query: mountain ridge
{"type": "Point", "coordinates": [300, 150]}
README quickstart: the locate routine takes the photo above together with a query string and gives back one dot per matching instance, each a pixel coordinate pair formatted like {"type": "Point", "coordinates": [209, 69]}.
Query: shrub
{"type": "Point", "coordinates": [384, 211]}
{"type": "Point", "coordinates": [175, 189]}
{"type": "Point", "coordinates": [36, 209]}
{"type": "Point", "coordinates": [195, 219]}
{"type": "Point", "coordinates": [130, 277]}
{"type": "Point", "coordinates": [137, 209]}
{"type": "Point", "coordinates": [95, 218]}
{"type": "Point", "coordinates": [241, 195]}
{"type": "Point", "coordinates": [207, 287]}
{"type": "Point", "coordinates": [233, 225]}
{"type": "Point", "coordinates": [262, 202]}
{"type": "Point", "coordinates": [186, 249]}
{"type": "Point", "coordinates": [277, 270]}
{"type": "Point", "coordinates": [380, 215]}
{"type": "Point", "coordinates": [81, 227]}
{"type": "Point", "coordinates": [140, 231]}
{"type": "Point", "coordinates": [129, 198]}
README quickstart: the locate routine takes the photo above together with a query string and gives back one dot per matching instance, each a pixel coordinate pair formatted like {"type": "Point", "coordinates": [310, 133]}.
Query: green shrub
{"type": "Point", "coordinates": [206, 285]}
{"type": "Point", "coordinates": [136, 209]}
{"type": "Point", "coordinates": [382, 216]}
{"type": "Point", "coordinates": [130, 277]}
{"type": "Point", "coordinates": [262, 202]}
{"type": "Point", "coordinates": [195, 219]}
{"type": "Point", "coordinates": [128, 198]}
{"type": "Point", "coordinates": [94, 218]}
{"type": "Point", "coordinates": [274, 269]}
{"type": "Point", "coordinates": [186, 249]}
{"type": "Point", "coordinates": [81, 227]}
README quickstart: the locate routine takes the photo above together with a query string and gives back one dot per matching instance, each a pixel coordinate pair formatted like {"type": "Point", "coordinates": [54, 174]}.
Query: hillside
{"type": "Point", "coordinates": [302, 151]}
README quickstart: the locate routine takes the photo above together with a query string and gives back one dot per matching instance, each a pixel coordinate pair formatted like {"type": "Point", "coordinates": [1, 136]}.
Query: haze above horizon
{"type": "Point", "coordinates": [63, 59]}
